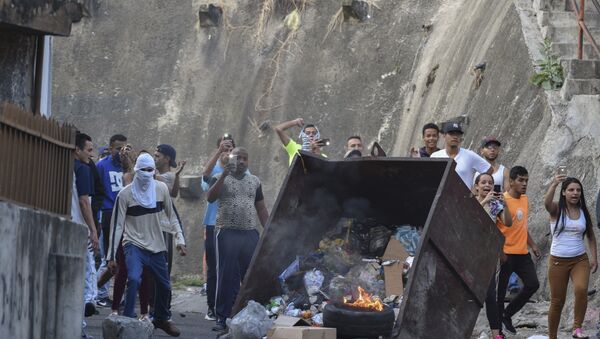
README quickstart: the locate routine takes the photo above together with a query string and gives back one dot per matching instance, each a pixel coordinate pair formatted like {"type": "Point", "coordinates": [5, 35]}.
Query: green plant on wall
{"type": "Point", "coordinates": [549, 73]}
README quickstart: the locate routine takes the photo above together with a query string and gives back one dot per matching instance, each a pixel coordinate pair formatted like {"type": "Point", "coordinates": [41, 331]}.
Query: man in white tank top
{"type": "Point", "coordinates": [490, 150]}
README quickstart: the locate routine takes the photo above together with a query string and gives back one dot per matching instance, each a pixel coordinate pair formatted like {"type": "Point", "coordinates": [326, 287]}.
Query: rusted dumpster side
{"type": "Point", "coordinates": [453, 268]}
{"type": "Point", "coordinates": [456, 257]}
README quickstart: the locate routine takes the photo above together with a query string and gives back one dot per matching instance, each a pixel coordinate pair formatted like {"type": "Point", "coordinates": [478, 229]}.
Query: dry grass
{"type": "Point", "coordinates": [266, 11]}
{"type": "Point", "coordinates": [336, 21]}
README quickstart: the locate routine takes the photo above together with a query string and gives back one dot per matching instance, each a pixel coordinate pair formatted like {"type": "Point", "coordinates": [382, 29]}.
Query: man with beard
{"type": "Point", "coordinates": [310, 136]}
{"type": "Point", "coordinates": [137, 219]}
{"type": "Point", "coordinates": [490, 150]}
{"type": "Point", "coordinates": [467, 161]}
{"type": "Point", "coordinates": [240, 202]}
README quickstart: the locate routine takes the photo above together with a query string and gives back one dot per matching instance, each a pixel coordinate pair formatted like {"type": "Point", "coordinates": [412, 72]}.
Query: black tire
{"type": "Point", "coordinates": [357, 323]}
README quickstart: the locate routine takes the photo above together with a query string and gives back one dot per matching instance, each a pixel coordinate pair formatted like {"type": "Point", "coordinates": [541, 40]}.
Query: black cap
{"type": "Point", "coordinates": [448, 127]}
{"type": "Point", "coordinates": [169, 151]}
{"type": "Point", "coordinates": [490, 140]}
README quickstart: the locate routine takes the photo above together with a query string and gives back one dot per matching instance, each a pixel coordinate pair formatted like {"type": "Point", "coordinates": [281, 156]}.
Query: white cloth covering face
{"type": "Point", "coordinates": [143, 187]}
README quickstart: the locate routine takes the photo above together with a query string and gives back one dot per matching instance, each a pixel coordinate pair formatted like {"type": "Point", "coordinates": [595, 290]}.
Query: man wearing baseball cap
{"type": "Point", "coordinates": [467, 161]}
{"type": "Point", "coordinates": [490, 150]}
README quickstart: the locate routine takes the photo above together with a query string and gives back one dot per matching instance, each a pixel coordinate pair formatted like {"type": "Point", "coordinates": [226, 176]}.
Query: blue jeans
{"type": "Point", "coordinates": [136, 259]}
{"type": "Point", "coordinates": [102, 290]}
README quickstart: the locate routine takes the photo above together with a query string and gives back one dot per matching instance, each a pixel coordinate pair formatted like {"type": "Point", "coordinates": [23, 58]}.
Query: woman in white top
{"type": "Point", "coordinates": [495, 206]}
{"type": "Point", "coordinates": [570, 223]}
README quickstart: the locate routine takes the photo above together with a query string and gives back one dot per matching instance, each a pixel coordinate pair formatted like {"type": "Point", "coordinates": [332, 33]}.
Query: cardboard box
{"type": "Point", "coordinates": [302, 332]}
{"type": "Point", "coordinates": [393, 272]}
{"type": "Point", "coordinates": [285, 321]}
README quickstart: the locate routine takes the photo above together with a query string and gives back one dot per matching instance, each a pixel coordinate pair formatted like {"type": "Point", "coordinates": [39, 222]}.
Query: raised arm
{"type": "Point", "coordinates": [216, 185]}
{"type": "Point", "coordinates": [549, 203]}
{"type": "Point", "coordinates": [282, 127]}
{"type": "Point", "coordinates": [224, 146]}
{"type": "Point", "coordinates": [175, 189]}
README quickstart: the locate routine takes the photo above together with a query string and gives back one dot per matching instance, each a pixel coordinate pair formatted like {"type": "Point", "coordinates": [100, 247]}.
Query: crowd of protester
{"type": "Point", "coordinates": [125, 200]}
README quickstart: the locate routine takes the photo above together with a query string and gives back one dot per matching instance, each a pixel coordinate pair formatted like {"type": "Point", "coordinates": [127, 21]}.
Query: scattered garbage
{"type": "Point", "coordinates": [250, 323]}
{"type": "Point", "coordinates": [356, 254]}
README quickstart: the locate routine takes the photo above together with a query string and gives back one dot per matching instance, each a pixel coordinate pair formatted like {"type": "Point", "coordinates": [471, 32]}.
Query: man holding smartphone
{"type": "Point", "coordinates": [310, 136]}
{"type": "Point", "coordinates": [236, 235]}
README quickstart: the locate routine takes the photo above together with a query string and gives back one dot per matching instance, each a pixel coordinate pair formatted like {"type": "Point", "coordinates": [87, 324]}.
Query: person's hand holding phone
{"type": "Point", "coordinates": [561, 175]}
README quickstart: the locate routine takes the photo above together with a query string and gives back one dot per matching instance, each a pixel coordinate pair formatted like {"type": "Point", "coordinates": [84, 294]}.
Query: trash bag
{"type": "Point", "coordinates": [250, 323]}
{"type": "Point", "coordinates": [339, 287]}
{"type": "Point", "coordinates": [361, 9]}
{"type": "Point", "coordinates": [378, 240]}
{"type": "Point", "coordinates": [409, 237]}
{"type": "Point", "coordinates": [313, 280]}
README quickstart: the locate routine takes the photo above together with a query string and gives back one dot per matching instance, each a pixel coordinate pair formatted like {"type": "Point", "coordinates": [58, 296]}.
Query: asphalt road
{"type": "Point", "coordinates": [188, 309]}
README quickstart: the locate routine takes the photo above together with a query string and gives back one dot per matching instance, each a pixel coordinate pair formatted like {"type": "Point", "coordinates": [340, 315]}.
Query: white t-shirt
{"type": "Point", "coordinates": [467, 163]}
{"type": "Point", "coordinates": [498, 177]}
{"type": "Point", "coordinates": [569, 243]}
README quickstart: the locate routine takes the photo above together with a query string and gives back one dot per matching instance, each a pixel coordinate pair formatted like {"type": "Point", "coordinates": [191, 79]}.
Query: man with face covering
{"type": "Point", "coordinates": [236, 236]}
{"type": "Point", "coordinates": [310, 136]}
{"type": "Point", "coordinates": [136, 218]}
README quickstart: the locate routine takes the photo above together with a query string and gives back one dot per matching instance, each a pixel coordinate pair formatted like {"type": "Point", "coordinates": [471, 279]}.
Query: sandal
{"type": "Point", "coordinates": [578, 333]}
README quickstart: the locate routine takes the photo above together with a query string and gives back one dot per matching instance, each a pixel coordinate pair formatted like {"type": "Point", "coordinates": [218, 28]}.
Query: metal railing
{"type": "Point", "coordinates": [36, 160]}
{"type": "Point", "coordinates": [583, 30]}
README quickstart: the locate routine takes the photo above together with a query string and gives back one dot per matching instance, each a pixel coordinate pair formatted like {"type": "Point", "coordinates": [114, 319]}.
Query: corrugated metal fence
{"type": "Point", "coordinates": [36, 160]}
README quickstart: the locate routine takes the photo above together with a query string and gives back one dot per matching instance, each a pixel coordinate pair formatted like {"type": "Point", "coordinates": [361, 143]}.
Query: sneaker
{"type": "Point", "coordinates": [104, 302]}
{"type": "Point", "coordinates": [508, 326]}
{"type": "Point", "coordinates": [578, 333]}
{"type": "Point", "coordinates": [219, 327]}
{"type": "Point", "coordinates": [210, 315]}
{"type": "Point", "coordinates": [167, 326]}
{"type": "Point", "coordinates": [90, 309]}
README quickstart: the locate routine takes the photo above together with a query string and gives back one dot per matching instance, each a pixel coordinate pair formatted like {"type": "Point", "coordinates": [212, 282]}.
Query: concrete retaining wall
{"type": "Point", "coordinates": [41, 281]}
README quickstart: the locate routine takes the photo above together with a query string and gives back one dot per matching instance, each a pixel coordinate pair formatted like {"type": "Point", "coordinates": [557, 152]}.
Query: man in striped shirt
{"type": "Point", "coordinates": [136, 220]}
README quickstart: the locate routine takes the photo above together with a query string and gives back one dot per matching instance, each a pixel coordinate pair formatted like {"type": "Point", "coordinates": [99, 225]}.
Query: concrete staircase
{"type": "Point", "coordinates": [557, 22]}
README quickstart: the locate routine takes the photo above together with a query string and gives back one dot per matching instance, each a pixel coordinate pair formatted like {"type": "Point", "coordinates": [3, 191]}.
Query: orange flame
{"type": "Point", "coordinates": [364, 301]}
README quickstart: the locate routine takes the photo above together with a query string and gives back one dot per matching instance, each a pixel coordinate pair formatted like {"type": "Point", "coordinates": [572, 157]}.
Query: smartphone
{"type": "Point", "coordinates": [562, 170]}
{"type": "Point", "coordinates": [324, 142]}
{"type": "Point", "coordinates": [497, 188]}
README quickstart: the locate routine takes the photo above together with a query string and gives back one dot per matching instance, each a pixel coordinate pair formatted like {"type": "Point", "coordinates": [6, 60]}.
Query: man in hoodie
{"type": "Point", "coordinates": [137, 219]}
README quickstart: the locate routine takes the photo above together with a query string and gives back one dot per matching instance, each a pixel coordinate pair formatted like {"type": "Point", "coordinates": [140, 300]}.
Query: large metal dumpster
{"type": "Point", "coordinates": [457, 254]}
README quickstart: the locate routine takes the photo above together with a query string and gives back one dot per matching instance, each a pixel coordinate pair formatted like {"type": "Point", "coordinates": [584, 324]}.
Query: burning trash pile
{"type": "Point", "coordinates": [348, 271]}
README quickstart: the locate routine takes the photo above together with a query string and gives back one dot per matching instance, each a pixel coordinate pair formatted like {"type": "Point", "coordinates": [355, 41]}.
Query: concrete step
{"type": "Point", "coordinates": [561, 5]}
{"type": "Point", "coordinates": [567, 34]}
{"type": "Point", "coordinates": [567, 50]}
{"type": "Point", "coordinates": [566, 19]}
{"type": "Point", "coordinates": [573, 87]}
{"type": "Point", "coordinates": [581, 69]}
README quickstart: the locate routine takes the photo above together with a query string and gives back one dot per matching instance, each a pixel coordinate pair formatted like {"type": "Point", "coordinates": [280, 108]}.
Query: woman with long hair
{"type": "Point", "coordinates": [570, 223]}
{"type": "Point", "coordinates": [493, 203]}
